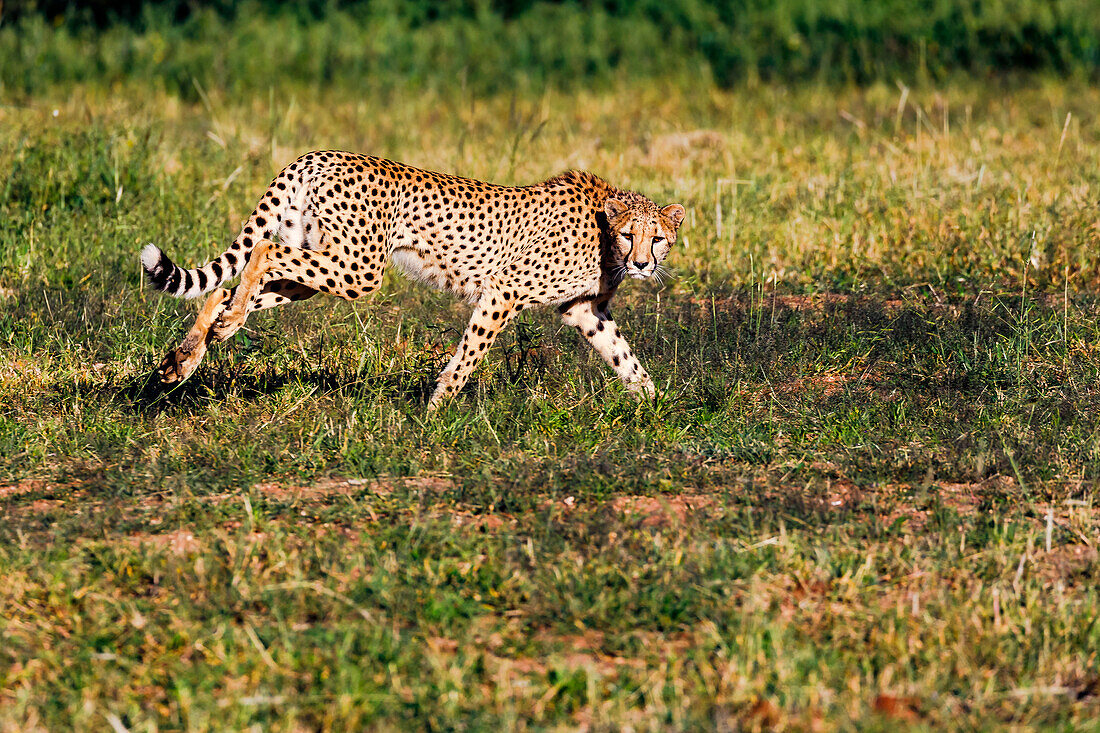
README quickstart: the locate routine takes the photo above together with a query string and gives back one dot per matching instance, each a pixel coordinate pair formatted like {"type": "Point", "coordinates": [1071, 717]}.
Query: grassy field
{"type": "Point", "coordinates": [866, 497]}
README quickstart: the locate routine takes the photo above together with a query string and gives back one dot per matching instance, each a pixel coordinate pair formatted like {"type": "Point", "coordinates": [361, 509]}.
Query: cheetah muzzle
{"type": "Point", "coordinates": [331, 221]}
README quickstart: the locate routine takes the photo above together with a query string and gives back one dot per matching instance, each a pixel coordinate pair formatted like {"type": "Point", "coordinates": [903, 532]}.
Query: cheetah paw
{"type": "Point", "coordinates": [179, 365]}
{"type": "Point", "coordinates": [642, 389]}
{"type": "Point", "coordinates": [171, 370]}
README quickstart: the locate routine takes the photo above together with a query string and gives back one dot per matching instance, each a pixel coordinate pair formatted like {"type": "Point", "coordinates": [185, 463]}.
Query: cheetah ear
{"type": "Point", "coordinates": [613, 208]}
{"type": "Point", "coordinates": [675, 214]}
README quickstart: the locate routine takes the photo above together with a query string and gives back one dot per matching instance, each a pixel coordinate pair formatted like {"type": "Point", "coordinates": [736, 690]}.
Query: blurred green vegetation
{"type": "Point", "coordinates": [489, 46]}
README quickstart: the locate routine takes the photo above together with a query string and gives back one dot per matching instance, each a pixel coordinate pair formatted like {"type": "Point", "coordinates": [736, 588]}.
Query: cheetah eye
{"type": "Point", "coordinates": [627, 236]}
{"type": "Point", "coordinates": [658, 240]}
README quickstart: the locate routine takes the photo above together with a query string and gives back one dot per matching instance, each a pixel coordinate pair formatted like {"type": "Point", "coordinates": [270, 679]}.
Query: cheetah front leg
{"type": "Point", "coordinates": [491, 314]}
{"type": "Point", "coordinates": [593, 319]}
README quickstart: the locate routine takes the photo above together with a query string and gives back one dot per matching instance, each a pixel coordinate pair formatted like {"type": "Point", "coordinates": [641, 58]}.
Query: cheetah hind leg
{"type": "Point", "coordinates": [232, 317]}
{"type": "Point", "coordinates": [274, 294]}
{"type": "Point", "coordinates": [179, 364]}
{"type": "Point", "coordinates": [299, 273]}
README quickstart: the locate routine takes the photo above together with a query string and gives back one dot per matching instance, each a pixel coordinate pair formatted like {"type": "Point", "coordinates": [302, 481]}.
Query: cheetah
{"type": "Point", "coordinates": [331, 221]}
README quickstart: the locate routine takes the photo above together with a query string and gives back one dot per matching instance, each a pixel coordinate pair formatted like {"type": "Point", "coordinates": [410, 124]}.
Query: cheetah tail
{"type": "Point", "coordinates": [168, 277]}
{"type": "Point", "coordinates": [264, 222]}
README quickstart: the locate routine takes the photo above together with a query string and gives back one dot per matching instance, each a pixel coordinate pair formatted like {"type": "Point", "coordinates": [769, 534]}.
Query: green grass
{"type": "Point", "coordinates": [866, 497]}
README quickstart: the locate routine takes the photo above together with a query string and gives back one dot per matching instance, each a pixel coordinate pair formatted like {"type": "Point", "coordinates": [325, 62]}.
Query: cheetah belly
{"type": "Point", "coordinates": [418, 261]}
{"type": "Point", "coordinates": [420, 267]}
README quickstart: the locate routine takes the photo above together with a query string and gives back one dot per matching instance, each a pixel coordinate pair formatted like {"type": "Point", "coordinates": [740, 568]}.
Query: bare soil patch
{"type": "Point", "coordinates": [1065, 562]}
{"type": "Point", "coordinates": [897, 707]}
{"type": "Point", "coordinates": [349, 487]}
{"type": "Point", "coordinates": [179, 542]}
{"type": "Point", "coordinates": [963, 498]}
{"type": "Point", "coordinates": [25, 486]}
{"type": "Point", "coordinates": [487, 522]}
{"type": "Point", "coordinates": [661, 511]}
{"type": "Point", "coordinates": [23, 510]}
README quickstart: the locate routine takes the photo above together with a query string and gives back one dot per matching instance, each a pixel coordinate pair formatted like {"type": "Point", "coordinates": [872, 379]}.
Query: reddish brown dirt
{"type": "Point", "coordinates": [25, 486]}
{"type": "Point", "coordinates": [897, 708]}
{"type": "Point", "coordinates": [179, 542]}
{"type": "Point", "coordinates": [1063, 563]}
{"type": "Point", "coordinates": [763, 713]}
{"type": "Point", "coordinates": [964, 498]}
{"type": "Point", "coordinates": [346, 487]}
{"type": "Point", "coordinates": [661, 511]}
{"type": "Point", "coordinates": [487, 522]}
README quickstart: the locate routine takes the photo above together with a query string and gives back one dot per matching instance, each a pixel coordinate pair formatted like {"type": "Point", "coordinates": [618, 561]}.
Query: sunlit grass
{"type": "Point", "coordinates": [865, 497]}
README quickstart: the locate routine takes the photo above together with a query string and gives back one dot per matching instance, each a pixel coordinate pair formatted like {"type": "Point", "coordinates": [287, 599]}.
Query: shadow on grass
{"type": "Point", "coordinates": [145, 395]}
{"type": "Point", "coordinates": [827, 351]}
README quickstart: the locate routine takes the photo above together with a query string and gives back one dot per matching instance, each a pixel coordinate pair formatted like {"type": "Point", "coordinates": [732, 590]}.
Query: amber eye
{"type": "Point", "coordinates": [658, 240]}
{"type": "Point", "coordinates": [627, 236]}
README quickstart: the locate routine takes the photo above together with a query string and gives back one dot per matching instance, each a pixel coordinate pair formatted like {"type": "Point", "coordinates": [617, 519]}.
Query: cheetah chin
{"type": "Point", "coordinates": [332, 221]}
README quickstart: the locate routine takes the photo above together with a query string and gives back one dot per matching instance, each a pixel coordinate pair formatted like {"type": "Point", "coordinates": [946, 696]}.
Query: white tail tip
{"type": "Point", "coordinates": [150, 257]}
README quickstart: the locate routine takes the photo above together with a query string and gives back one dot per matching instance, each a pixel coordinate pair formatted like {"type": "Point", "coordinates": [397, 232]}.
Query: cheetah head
{"type": "Point", "coordinates": [643, 235]}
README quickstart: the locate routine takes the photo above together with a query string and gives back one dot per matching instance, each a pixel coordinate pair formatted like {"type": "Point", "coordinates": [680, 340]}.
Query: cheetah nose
{"type": "Point", "coordinates": [641, 265]}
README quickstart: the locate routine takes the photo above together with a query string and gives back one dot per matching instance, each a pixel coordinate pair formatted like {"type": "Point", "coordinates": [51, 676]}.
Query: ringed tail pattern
{"type": "Point", "coordinates": [168, 277]}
